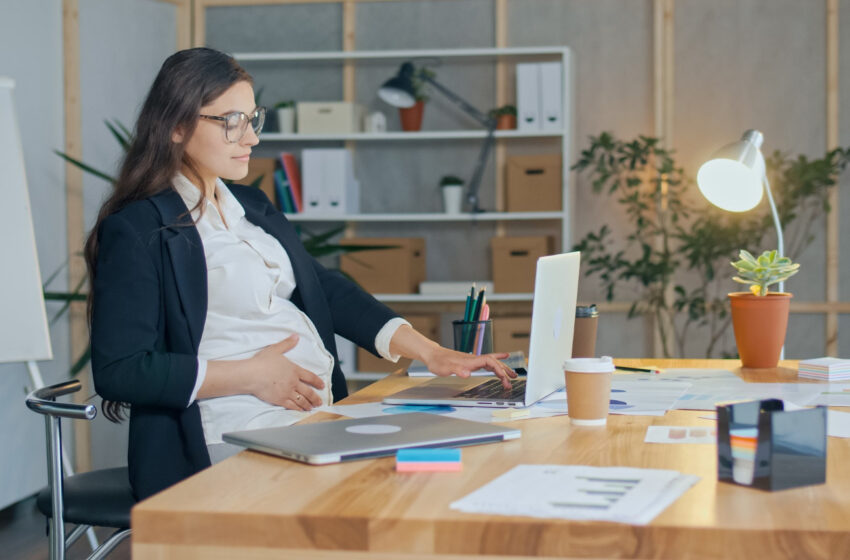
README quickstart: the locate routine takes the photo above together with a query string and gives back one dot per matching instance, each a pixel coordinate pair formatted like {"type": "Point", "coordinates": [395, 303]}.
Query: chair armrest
{"type": "Point", "coordinates": [44, 402]}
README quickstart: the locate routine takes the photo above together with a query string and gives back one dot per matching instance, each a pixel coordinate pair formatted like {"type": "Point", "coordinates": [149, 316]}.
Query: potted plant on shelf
{"type": "Point", "coordinates": [411, 117]}
{"type": "Point", "coordinates": [759, 318]}
{"type": "Point", "coordinates": [285, 111]}
{"type": "Point", "coordinates": [505, 117]}
{"type": "Point", "coordinates": [452, 188]}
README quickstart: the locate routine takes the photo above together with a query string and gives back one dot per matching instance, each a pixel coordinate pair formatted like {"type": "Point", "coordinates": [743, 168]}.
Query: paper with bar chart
{"type": "Point", "coordinates": [621, 494]}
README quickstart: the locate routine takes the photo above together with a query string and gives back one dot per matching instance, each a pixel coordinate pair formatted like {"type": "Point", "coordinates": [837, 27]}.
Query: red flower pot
{"type": "Point", "coordinates": [506, 122]}
{"type": "Point", "coordinates": [411, 117]}
{"type": "Point", "coordinates": [760, 323]}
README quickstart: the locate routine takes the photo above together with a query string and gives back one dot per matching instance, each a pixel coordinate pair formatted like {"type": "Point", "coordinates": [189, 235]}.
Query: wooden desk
{"type": "Point", "coordinates": [257, 506]}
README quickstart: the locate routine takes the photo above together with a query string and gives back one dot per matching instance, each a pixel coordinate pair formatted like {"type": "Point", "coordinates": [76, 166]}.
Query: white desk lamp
{"type": "Point", "coordinates": [732, 180]}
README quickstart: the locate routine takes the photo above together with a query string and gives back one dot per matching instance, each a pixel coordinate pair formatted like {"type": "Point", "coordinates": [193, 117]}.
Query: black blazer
{"type": "Point", "coordinates": [149, 308]}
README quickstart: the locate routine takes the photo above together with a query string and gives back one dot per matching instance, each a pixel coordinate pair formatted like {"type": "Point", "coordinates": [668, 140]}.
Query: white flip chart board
{"type": "Point", "coordinates": [24, 335]}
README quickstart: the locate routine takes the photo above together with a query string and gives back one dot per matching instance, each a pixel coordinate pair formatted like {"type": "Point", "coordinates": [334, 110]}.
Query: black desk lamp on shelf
{"type": "Point", "coordinates": [399, 91]}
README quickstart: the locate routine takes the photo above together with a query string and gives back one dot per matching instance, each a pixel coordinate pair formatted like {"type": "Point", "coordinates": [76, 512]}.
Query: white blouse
{"type": "Point", "coordinates": [249, 283]}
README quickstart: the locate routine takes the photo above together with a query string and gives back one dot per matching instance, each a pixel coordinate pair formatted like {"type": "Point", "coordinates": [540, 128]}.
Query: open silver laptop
{"type": "Point", "coordinates": [552, 322]}
{"type": "Point", "coordinates": [323, 443]}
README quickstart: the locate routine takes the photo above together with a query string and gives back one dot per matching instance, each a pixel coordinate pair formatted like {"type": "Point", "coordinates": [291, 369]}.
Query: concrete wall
{"type": "Point", "coordinates": [735, 67]}
{"type": "Point", "coordinates": [31, 54]}
{"type": "Point", "coordinates": [122, 45]}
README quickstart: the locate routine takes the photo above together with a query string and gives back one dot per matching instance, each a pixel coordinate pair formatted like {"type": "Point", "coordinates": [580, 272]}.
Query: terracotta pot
{"type": "Point", "coordinates": [760, 323]}
{"type": "Point", "coordinates": [411, 117]}
{"type": "Point", "coordinates": [506, 122]}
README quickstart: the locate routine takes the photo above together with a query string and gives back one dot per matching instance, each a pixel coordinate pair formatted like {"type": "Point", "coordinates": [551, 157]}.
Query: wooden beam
{"type": "Point", "coordinates": [184, 24]}
{"type": "Point", "coordinates": [663, 101]}
{"type": "Point", "coordinates": [199, 21]}
{"type": "Point", "coordinates": [349, 43]}
{"type": "Point", "coordinates": [349, 93]}
{"type": "Point", "coordinates": [75, 226]}
{"type": "Point", "coordinates": [500, 20]}
{"type": "Point", "coordinates": [832, 219]}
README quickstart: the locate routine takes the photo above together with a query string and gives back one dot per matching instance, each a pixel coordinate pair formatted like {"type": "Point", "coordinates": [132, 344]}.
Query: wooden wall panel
{"type": "Point", "coordinates": [108, 45]}
{"type": "Point", "coordinates": [844, 187]}
{"type": "Point", "coordinates": [735, 66]}
{"type": "Point", "coordinates": [405, 176]}
{"type": "Point", "coordinates": [612, 44]}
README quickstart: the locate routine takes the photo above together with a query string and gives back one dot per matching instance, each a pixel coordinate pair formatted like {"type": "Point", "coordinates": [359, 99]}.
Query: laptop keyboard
{"type": "Point", "coordinates": [493, 390]}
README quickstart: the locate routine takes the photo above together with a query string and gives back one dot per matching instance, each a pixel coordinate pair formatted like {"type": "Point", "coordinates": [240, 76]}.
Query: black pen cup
{"type": "Point", "coordinates": [473, 337]}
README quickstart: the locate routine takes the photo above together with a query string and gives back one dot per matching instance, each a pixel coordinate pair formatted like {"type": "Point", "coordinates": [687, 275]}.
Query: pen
{"type": "Point", "coordinates": [469, 341]}
{"type": "Point", "coordinates": [645, 370]}
{"type": "Point", "coordinates": [485, 314]}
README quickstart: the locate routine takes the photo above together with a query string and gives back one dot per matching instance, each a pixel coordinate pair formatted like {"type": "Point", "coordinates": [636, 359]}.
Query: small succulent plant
{"type": "Point", "coordinates": [450, 180]}
{"type": "Point", "coordinates": [763, 271]}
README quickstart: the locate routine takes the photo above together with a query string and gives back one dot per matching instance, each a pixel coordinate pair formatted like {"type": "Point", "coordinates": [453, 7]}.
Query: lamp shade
{"type": "Point", "coordinates": [732, 178]}
{"type": "Point", "coordinates": [398, 91]}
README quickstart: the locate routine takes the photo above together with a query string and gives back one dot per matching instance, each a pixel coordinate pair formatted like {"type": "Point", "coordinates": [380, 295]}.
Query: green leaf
{"type": "Point", "coordinates": [118, 135]}
{"type": "Point", "coordinates": [84, 167]}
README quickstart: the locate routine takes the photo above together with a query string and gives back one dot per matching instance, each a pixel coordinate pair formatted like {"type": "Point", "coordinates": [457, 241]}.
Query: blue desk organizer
{"type": "Point", "coordinates": [790, 449]}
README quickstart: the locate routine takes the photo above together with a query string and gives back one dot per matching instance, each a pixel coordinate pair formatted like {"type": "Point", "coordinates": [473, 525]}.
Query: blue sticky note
{"type": "Point", "coordinates": [430, 455]}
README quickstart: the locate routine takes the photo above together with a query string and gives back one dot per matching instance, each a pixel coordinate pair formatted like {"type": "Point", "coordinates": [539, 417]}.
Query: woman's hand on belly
{"type": "Point", "coordinates": [268, 375]}
{"type": "Point", "coordinates": [278, 380]}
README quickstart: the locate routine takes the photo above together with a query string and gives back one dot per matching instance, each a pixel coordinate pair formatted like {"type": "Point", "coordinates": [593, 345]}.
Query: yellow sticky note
{"type": "Point", "coordinates": [508, 413]}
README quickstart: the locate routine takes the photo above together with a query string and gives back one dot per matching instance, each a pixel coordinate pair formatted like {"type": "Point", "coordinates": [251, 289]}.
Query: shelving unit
{"type": "Point", "coordinates": [427, 217]}
{"type": "Point", "coordinates": [351, 61]}
{"type": "Point", "coordinates": [407, 136]}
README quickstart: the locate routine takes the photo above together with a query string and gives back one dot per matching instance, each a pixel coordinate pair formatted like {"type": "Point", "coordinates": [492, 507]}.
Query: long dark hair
{"type": "Point", "coordinates": [188, 80]}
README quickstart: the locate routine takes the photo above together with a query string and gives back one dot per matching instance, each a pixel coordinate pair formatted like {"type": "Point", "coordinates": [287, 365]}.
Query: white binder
{"type": "Point", "coordinates": [551, 96]}
{"type": "Point", "coordinates": [311, 185]}
{"type": "Point", "coordinates": [528, 96]}
{"type": "Point", "coordinates": [329, 183]}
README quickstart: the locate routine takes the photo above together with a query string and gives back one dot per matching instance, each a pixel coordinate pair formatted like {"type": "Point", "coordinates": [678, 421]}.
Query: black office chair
{"type": "Point", "coordinates": [99, 498]}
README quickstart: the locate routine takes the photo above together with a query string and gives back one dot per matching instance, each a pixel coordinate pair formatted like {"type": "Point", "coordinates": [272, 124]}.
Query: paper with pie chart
{"type": "Point", "coordinates": [629, 397]}
{"type": "Point", "coordinates": [681, 434]}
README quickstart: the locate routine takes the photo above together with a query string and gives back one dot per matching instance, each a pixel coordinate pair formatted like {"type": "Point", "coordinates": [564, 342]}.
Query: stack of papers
{"type": "Point", "coordinates": [621, 494]}
{"type": "Point", "coordinates": [829, 369]}
{"type": "Point", "coordinates": [451, 288]}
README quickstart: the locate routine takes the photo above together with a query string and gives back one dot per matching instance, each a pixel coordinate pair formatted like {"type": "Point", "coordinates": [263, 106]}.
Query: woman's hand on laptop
{"type": "Point", "coordinates": [444, 361]}
{"type": "Point", "coordinates": [441, 361]}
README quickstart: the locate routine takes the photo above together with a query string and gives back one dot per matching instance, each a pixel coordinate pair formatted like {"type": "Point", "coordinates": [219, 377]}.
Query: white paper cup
{"type": "Point", "coordinates": [588, 382]}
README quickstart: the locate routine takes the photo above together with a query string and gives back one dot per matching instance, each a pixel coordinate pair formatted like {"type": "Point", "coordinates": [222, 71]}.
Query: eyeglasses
{"type": "Point", "coordinates": [236, 124]}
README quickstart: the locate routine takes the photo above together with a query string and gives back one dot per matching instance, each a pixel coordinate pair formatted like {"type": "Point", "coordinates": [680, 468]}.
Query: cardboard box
{"type": "Point", "coordinates": [264, 167]}
{"type": "Point", "coordinates": [331, 117]}
{"type": "Point", "coordinates": [515, 262]}
{"type": "Point", "coordinates": [386, 271]}
{"type": "Point", "coordinates": [429, 325]}
{"type": "Point", "coordinates": [511, 334]}
{"type": "Point", "coordinates": [533, 183]}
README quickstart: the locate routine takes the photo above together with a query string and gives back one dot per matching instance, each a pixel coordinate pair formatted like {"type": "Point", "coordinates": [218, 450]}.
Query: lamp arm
{"type": "Point", "coordinates": [780, 244]}
{"type": "Point", "coordinates": [475, 181]}
{"type": "Point", "coordinates": [457, 100]}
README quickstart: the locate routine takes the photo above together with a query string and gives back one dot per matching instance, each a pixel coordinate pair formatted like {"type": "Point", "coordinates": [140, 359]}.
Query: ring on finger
{"type": "Point", "coordinates": [298, 397]}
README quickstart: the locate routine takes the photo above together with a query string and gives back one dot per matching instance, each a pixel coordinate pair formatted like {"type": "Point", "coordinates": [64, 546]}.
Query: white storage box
{"type": "Point", "coordinates": [331, 117]}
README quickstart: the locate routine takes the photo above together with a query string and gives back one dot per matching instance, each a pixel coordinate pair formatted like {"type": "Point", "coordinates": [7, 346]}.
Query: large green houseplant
{"type": "Point", "coordinates": [675, 245]}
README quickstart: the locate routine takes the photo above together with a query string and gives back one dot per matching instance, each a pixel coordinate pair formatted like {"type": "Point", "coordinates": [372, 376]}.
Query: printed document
{"type": "Point", "coordinates": [620, 494]}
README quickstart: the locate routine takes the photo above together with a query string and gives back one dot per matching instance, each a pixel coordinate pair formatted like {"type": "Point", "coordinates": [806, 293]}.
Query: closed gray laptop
{"type": "Point", "coordinates": [324, 443]}
{"type": "Point", "coordinates": [551, 342]}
